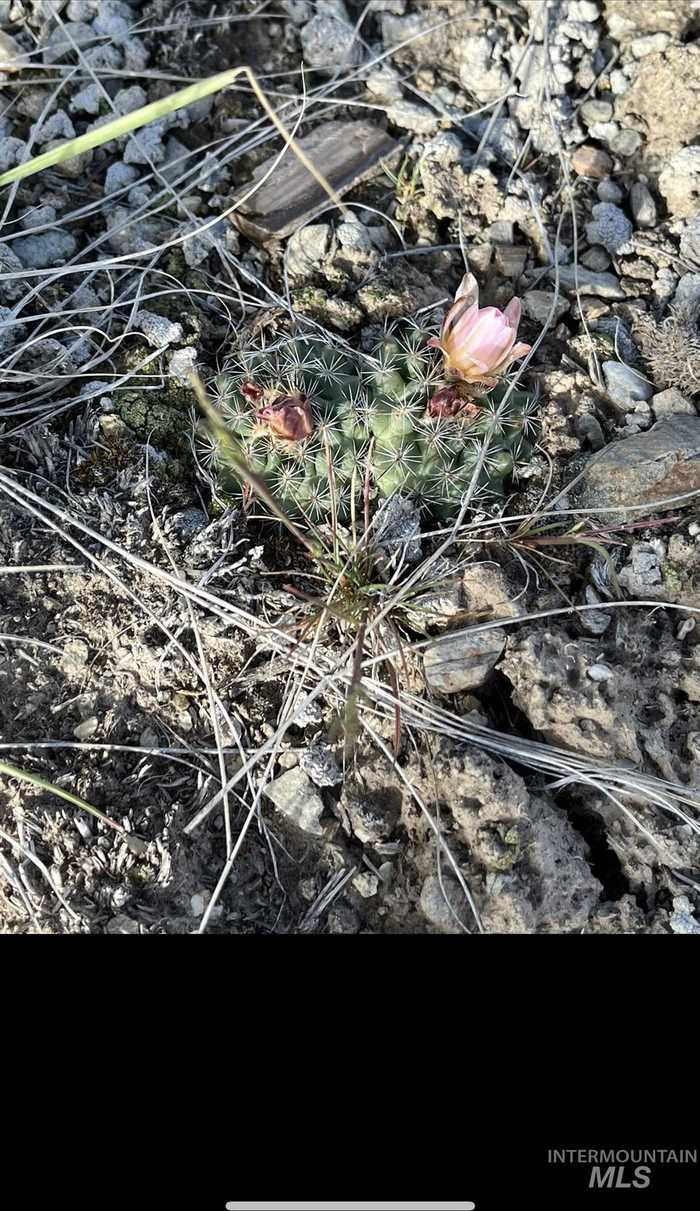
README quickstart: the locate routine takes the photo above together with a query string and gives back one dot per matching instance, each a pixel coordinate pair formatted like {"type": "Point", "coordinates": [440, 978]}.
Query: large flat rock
{"type": "Point", "coordinates": [663, 462]}
{"type": "Point", "coordinates": [344, 152]}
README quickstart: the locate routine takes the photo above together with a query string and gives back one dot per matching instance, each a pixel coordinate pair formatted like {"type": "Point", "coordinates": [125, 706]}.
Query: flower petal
{"type": "Point", "coordinates": [468, 289]}
{"type": "Point", "coordinates": [458, 321]}
{"type": "Point", "coordinates": [490, 338]}
{"type": "Point", "coordinates": [513, 312]}
{"type": "Point", "coordinates": [519, 351]}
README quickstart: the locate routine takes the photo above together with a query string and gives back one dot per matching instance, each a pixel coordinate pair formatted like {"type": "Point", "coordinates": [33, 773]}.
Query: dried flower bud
{"type": "Point", "coordinates": [252, 391]}
{"type": "Point", "coordinates": [445, 402]}
{"type": "Point", "coordinates": [288, 417]}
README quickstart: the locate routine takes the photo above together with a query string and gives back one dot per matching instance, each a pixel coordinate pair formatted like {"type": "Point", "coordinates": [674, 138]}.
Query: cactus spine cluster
{"type": "Point", "coordinates": [372, 420]}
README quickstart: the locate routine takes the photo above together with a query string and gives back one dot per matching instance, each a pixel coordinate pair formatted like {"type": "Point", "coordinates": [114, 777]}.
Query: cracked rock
{"type": "Point", "coordinates": [296, 798]}
{"type": "Point", "coordinates": [460, 662]}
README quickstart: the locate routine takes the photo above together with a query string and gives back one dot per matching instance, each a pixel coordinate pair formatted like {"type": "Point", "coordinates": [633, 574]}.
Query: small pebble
{"type": "Point", "coordinates": [87, 728]}
{"type": "Point", "coordinates": [625, 143]}
{"type": "Point", "coordinates": [590, 161]}
{"type": "Point", "coordinates": [599, 672]}
{"type": "Point", "coordinates": [625, 386]}
{"type": "Point", "coordinates": [642, 205]}
{"type": "Point", "coordinates": [609, 191]}
{"type": "Point", "coordinates": [596, 111]}
{"type": "Point", "coordinates": [649, 44]}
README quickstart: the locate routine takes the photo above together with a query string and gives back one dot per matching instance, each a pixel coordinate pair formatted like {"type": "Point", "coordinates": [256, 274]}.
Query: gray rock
{"type": "Point", "coordinates": [480, 72]}
{"type": "Point", "coordinates": [679, 182]}
{"type": "Point", "coordinates": [687, 293]}
{"type": "Point", "coordinates": [438, 607]}
{"type": "Point", "coordinates": [308, 249]}
{"type": "Point", "coordinates": [12, 57]}
{"type": "Point", "coordinates": [296, 798]}
{"type": "Point", "coordinates": [604, 285]}
{"type": "Point", "coordinates": [57, 126]}
{"type": "Point", "coordinates": [625, 386]}
{"type": "Point", "coordinates": [45, 250]}
{"type": "Point", "coordinates": [355, 239]}
{"type": "Point", "coordinates": [158, 330]}
{"type": "Point", "coordinates": [537, 305]}
{"type": "Point", "coordinates": [584, 10]}
{"type": "Point", "coordinates": [122, 924]}
{"type": "Point", "coordinates": [10, 263]}
{"type": "Point", "coordinates": [129, 99]}
{"type": "Point", "coordinates": [328, 39]}
{"type": "Point", "coordinates": [641, 575]}
{"type": "Point", "coordinates": [11, 152]}
{"type": "Point", "coordinates": [398, 529]}
{"type": "Point", "coordinates": [320, 763]}
{"type": "Point", "coordinates": [417, 118]}
{"type": "Point", "coordinates": [690, 239]}
{"type": "Point", "coordinates": [609, 191]}
{"type": "Point", "coordinates": [649, 44]}
{"type": "Point", "coordinates": [596, 259]}
{"type": "Point", "coordinates": [10, 330]}
{"type": "Point", "coordinates": [596, 111]}
{"type": "Point", "coordinates": [38, 216]}
{"type": "Point", "coordinates": [625, 142]}
{"type": "Point", "coordinates": [146, 145]}
{"type": "Point", "coordinates": [610, 227]}
{"type": "Point", "coordinates": [87, 100]}
{"type": "Point", "coordinates": [588, 429]}
{"type": "Point", "coordinates": [120, 176]}
{"type": "Point", "coordinates": [460, 662]}
{"type": "Point", "coordinates": [86, 728]}
{"type": "Point", "coordinates": [58, 48]}
{"type": "Point", "coordinates": [642, 205]}
{"type": "Point", "coordinates": [604, 131]}
{"type": "Point", "coordinates": [671, 403]}
{"type": "Point", "coordinates": [187, 524]}
{"type": "Point", "coordinates": [682, 919]}
{"type": "Point", "coordinates": [181, 363]}
{"type": "Point", "coordinates": [372, 808]}
{"type": "Point", "coordinates": [594, 622]}
{"type": "Point", "coordinates": [385, 83]}
{"type": "Point", "coordinates": [365, 884]}
{"type": "Point", "coordinates": [444, 909]}
{"type": "Point", "coordinates": [657, 465]}
{"type": "Point", "coordinates": [298, 11]}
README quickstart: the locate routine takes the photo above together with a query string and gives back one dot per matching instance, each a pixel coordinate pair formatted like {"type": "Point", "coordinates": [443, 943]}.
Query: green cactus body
{"type": "Point", "coordinates": [370, 415]}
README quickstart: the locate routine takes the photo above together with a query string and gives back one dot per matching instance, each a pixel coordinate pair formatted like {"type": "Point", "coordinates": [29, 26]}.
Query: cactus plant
{"type": "Point", "coordinates": [316, 423]}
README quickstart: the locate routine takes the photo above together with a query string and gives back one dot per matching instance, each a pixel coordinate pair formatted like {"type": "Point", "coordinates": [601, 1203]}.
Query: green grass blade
{"type": "Point", "coordinates": [122, 125]}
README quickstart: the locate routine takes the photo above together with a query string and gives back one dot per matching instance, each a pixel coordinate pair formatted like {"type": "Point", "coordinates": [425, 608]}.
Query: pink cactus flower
{"type": "Point", "coordinates": [288, 417]}
{"type": "Point", "coordinates": [479, 343]}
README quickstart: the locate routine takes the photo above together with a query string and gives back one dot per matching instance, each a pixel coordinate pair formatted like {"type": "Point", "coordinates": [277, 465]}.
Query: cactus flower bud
{"type": "Point", "coordinates": [479, 343]}
{"type": "Point", "coordinates": [288, 417]}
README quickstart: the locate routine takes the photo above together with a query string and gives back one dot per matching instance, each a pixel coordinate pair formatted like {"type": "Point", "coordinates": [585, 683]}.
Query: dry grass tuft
{"type": "Point", "coordinates": [671, 349]}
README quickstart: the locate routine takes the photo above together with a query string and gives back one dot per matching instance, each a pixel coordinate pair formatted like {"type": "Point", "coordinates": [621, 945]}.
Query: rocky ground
{"type": "Point", "coordinates": [546, 780]}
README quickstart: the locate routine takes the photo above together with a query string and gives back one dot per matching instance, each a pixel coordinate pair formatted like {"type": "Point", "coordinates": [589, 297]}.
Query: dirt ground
{"type": "Point", "coordinates": [152, 630]}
